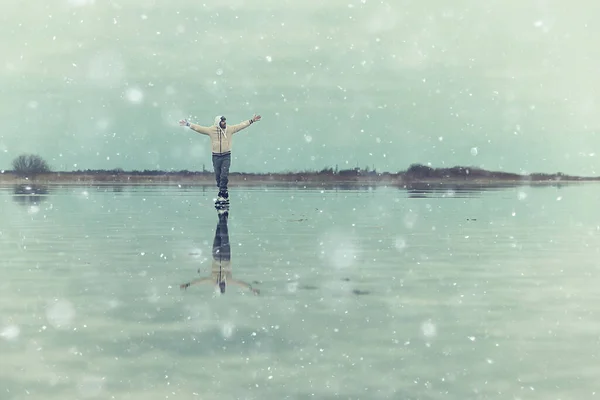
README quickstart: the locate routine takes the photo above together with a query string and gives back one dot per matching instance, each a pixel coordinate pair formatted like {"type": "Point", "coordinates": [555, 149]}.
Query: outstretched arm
{"type": "Point", "coordinates": [195, 127]}
{"type": "Point", "coordinates": [194, 282]}
{"type": "Point", "coordinates": [244, 285]}
{"type": "Point", "coordinates": [236, 128]}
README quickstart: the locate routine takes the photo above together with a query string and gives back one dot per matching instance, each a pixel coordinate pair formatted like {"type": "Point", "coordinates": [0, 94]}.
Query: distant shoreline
{"type": "Point", "coordinates": [416, 175]}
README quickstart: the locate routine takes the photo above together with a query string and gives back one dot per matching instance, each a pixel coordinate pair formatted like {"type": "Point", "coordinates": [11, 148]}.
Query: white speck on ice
{"type": "Point", "coordinates": [292, 287]}
{"type": "Point", "coordinates": [308, 138]}
{"type": "Point", "coordinates": [219, 72]}
{"type": "Point", "coordinates": [196, 253]}
{"type": "Point", "coordinates": [450, 193]}
{"type": "Point", "coordinates": [10, 332]}
{"type": "Point", "coordinates": [269, 58]}
{"type": "Point", "coordinates": [400, 244]}
{"type": "Point", "coordinates": [33, 210]}
{"type": "Point", "coordinates": [522, 195]}
{"type": "Point", "coordinates": [410, 219]}
{"type": "Point", "coordinates": [60, 314]}
{"type": "Point", "coordinates": [152, 295]}
{"type": "Point", "coordinates": [474, 151]}
{"type": "Point", "coordinates": [227, 330]}
{"type": "Point", "coordinates": [428, 329]}
{"type": "Point", "coordinates": [339, 249]}
{"type": "Point", "coordinates": [113, 303]}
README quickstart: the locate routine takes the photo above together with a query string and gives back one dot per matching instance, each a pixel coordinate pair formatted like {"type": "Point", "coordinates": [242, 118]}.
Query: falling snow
{"type": "Point", "coordinates": [134, 95]}
{"type": "Point", "coordinates": [10, 332]}
{"type": "Point", "coordinates": [60, 314]}
{"type": "Point", "coordinates": [363, 283]}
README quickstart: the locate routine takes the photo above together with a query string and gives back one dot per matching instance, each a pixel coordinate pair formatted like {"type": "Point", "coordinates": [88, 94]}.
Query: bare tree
{"type": "Point", "coordinates": [29, 165]}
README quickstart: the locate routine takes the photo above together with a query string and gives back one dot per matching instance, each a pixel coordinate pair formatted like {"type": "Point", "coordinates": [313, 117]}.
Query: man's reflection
{"type": "Point", "coordinates": [221, 270]}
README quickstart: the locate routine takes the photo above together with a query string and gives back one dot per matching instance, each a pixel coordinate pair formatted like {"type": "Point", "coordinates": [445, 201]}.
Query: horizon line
{"type": "Point", "coordinates": [325, 170]}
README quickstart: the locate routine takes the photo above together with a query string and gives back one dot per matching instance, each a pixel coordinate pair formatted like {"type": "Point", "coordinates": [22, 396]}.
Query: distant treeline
{"type": "Point", "coordinates": [185, 172]}
{"type": "Point", "coordinates": [419, 171]}
{"type": "Point", "coordinates": [148, 172]}
{"type": "Point", "coordinates": [415, 172]}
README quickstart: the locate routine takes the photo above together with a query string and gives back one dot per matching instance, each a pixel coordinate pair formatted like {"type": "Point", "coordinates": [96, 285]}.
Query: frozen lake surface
{"type": "Point", "coordinates": [364, 294]}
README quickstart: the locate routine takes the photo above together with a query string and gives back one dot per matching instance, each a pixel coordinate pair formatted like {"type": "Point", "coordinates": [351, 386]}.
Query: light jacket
{"type": "Point", "coordinates": [221, 271]}
{"type": "Point", "coordinates": [220, 138]}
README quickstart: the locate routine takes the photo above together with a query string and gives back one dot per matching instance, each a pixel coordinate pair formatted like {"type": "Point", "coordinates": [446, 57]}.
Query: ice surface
{"type": "Point", "coordinates": [352, 280]}
{"type": "Point", "coordinates": [91, 386]}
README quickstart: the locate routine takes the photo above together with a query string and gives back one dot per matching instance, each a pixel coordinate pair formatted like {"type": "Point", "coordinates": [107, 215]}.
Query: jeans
{"type": "Point", "coordinates": [221, 249]}
{"type": "Point", "coordinates": [221, 163]}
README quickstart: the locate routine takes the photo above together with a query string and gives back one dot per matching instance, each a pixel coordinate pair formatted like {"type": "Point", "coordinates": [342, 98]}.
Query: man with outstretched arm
{"type": "Point", "coordinates": [221, 137]}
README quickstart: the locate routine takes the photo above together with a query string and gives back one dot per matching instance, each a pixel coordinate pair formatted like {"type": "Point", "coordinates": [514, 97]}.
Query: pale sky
{"type": "Point", "coordinates": [509, 84]}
